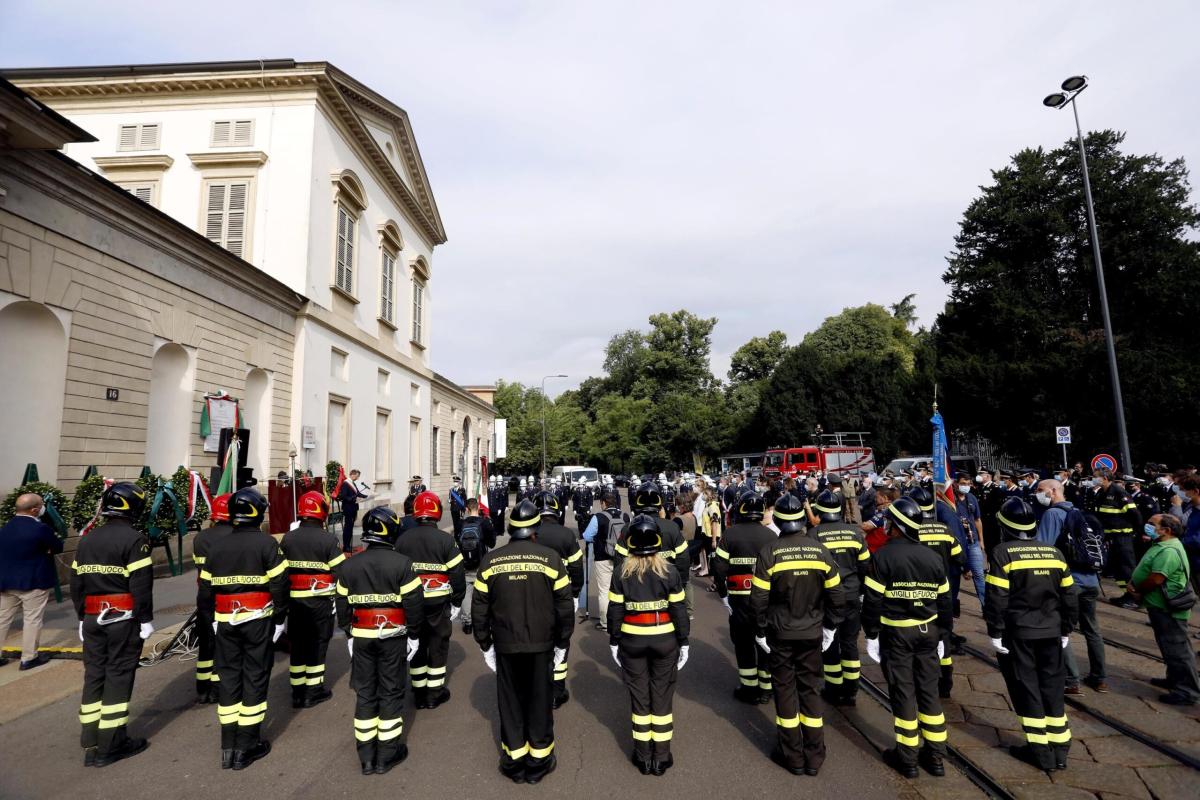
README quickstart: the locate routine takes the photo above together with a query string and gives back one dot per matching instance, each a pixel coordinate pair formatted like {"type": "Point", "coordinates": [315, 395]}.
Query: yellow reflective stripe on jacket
{"type": "Point", "coordinates": [321, 565]}
{"type": "Point", "coordinates": [571, 559]}
{"type": "Point", "coordinates": [412, 586]}
{"type": "Point", "coordinates": [1036, 563]}
{"type": "Point", "coordinates": [721, 553]}
{"type": "Point", "coordinates": [277, 569]}
{"type": "Point", "coordinates": [339, 558]}
{"type": "Point", "coordinates": [800, 564]}
{"type": "Point", "coordinates": [454, 562]}
{"type": "Point", "coordinates": [833, 581]}
{"type": "Point", "coordinates": [562, 582]}
{"type": "Point", "coordinates": [519, 566]}
{"type": "Point", "coordinates": [760, 583]}
{"type": "Point", "coordinates": [906, 623]}
{"type": "Point", "coordinates": [996, 580]}
{"type": "Point", "coordinates": [480, 586]}
{"type": "Point", "coordinates": [676, 597]}
{"type": "Point", "coordinates": [681, 549]}
{"type": "Point", "coordinates": [139, 564]}
{"type": "Point", "coordinates": [648, 630]}
{"type": "Point", "coordinates": [616, 598]}
{"type": "Point", "coordinates": [871, 583]}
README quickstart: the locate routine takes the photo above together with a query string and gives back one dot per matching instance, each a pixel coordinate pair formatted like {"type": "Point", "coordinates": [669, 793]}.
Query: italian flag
{"type": "Point", "coordinates": [481, 486]}
{"type": "Point", "coordinates": [228, 483]}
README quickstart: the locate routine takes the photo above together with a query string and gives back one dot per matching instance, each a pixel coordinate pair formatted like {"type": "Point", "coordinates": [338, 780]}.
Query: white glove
{"type": "Point", "coordinates": [683, 656]}
{"type": "Point", "coordinates": [827, 637]}
{"type": "Point", "coordinates": [999, 647]}
{"type": "Point", "coordinates": [729, 608]}
{"type": "Point", "coordinates": [761, 641]}
{"type": "Point", "coordinates": [415, 644]}
{"type": "Point", "coordinates": [560, 655]}
{"type": "Point", "coordinates": [941, 650]}
{"type": "Point", "coordinates": [350, 645]}
{"type": "Point", "coordinates": [454, 612]}
{"type": "Point", "coordinates": [148, 628]}
{"type": "Point", "coordinates": [81, 629]}
{"type": "Point", "coordinates": [279, 629]}
{"type": "Point", "coordinates": [1066, 641]}
{"type": "Point", "coordinates": [489, 658]}
{"type": "Point", "coordinates": [214, 628]}
{"type": "Point", "coordinates": [616, 658]}
{"type": "Point", "coordinates": [873, 649]}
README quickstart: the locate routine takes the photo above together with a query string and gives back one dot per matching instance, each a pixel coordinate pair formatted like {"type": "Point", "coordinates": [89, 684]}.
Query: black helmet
{"type": "Point", "coordinates": [548, 505]}
{"type": "Point", "coordinates": [648, 499]}
{"type": "Point", "coordinates": [524, 520]}
{"type": "Point", "coordinates": [906, 515]}
{"type": "Point", "coordinates": [789, 514]}
{"type": "Point", "coordinates": [246, 508]}
{"type": "Point", "coordinates": [1016, 519]}
{"type": "Point", "coordinates": [750, 507]}
{"type": "Point", "coordinates": [642, 538]}
{"type": "Point", "coordinates": [381, 525]}
{"type": "Point", "coordinates": [921, 496]}
{"type": "Point", "coordinates": [125, 500]}
{"type": "Point", "coordinates": [827, 507]}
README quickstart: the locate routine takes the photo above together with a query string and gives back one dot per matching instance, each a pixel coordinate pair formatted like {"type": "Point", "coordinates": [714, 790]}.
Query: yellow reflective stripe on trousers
{"type": "Point", "coordinates": [798, 720]}
{"type": "Point", "coordinates": [390, 728]}
{"type": "Point", "coordinates": [366, 729]}
{"type": "Point", "coordinates": [906, 623]}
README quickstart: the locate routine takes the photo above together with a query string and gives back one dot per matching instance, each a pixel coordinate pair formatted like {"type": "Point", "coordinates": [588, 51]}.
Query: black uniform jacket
{"type": "Point", "coordinates": [1030, 592]}
{"type": "Point", "coordinates": [437, 561]}
{"type": "Point", "coordinates": [379, 577]}
{"type": "Point", "coordinates": [522, 601]}
{"type": "Point", "coordinates": [201, 546]}
{"type": "Point", "coordinates": [849, 550]}
{"type": "Point", "coordinates": [1117, 511]}
{"type": "Point", "coordinates": [247, 560]}
{"type": "Point", "coordinates": [938, 537]}
{"type": "Point", "coordinates": [566, 544]}
{"type": "Point", "coordinates": [673, 547]}
{"type": "Point", "coordinates": [311, 553]}
{"type": "Point", "coordinates": [650, 594]}
{"type": "Point", "coordinates": [114, 559]}
{"type": "Point", "coordinates": [797, 589]}
{"type": "Point", "coordinates": [736, 556]}
{"type": "Point", "coordinates": [907, 588]}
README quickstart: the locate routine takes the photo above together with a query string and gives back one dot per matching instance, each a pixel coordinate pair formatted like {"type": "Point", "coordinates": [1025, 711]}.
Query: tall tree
{"type": "Point", "coordinates": [676, 355]}
{"type": "Point", "coordinates": [757, 358]}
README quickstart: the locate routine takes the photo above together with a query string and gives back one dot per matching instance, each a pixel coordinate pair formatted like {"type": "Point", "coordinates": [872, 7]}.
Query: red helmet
{"type": "Point", "coordinates": [311, 505]}
{"type": "Point", "coordinates": [220, 508]}
{"type": "Point", "coordinates": [427, 505]}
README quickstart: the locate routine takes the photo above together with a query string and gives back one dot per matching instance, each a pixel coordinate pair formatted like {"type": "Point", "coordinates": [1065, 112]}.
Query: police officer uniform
{"type": "Point", "coordinates": [648, 631]}
{"type": "Point", "coordinates": [111, 589]}
{"type": "Point", "coordinates": [497, 502]}
{"type": "Point", "coordinates": [380, 606]}
{"type": "Point", "coordinates": [842, 662]}
{"type": "Point", "coordinates": [245, 580]}
{"type": "Point", "coordinates": [1120, 518]}
{"type": "Point", "coordinates": [552, 534]}
{"type": "Point", "coordinates": [312, 554]}
{"type": "Point", "coordinates": [798, 601]}
{"type": "Point", "coordinates": [732, 565]}
{"type": "Point", "coordinates": [206, 677]}
{"type": "Point", "coordinates": [523, 616]}
{"type": "Point", "coordinates": [1030, 611]}
{"type": "Point", "coordinates": [581, 501]}
{"type": "Point", "coordinates": [907, 600]}
{"type": "Point", "coordinates": [938, 536]}
{"type": "Point", "coordinates": [439, 564]}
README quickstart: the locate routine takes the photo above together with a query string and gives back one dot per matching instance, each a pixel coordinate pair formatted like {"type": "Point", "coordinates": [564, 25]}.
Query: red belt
{"type": "Point", "coordinates": [739, 582]}
{"type": "Point", "coordinates": [650, 618]}
{"type": "Point", "coordinates": [99, 603]}
{"type": "Point", "coordinates": [379, 618]}
{"type": "Point", "coordinates": [244, 601]}
{"type": "Point", "coordinates": [311, 581]}
{"type": "Point", "coordinates": [434, 580]}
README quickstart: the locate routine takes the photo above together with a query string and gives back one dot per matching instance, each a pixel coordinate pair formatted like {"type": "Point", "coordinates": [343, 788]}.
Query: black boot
{"type": "Point", "coordinates": [535, 777]}
{"type": "Point", "coordinates": [298, 697]}
{"type": "Point", "coordinates": [368, 768]}
{"type": "Point", "coordinates": [661, 765]}
{"type": "Point", "coordinates": [777, 757]}
{"type": "Point", "coordinates": [932, 763]}
{"type": "Point", "coordinates": [89, 756]}
{"type": "Point", "coordinates": [128, 748]}
{"type": "Point", "coordinates": [747, 694]}
{"type": "Point", "coordinates": [226, 759]}
{"type": "Point", "coordinates": [381, 766]}
{"type": "Point", "coordinates": [244, 758]}
{"type": "Point", "coordinates": [1023, 752]}
{"type": "Point", "coordinates": [419, 698]}
{"type": "Point", "coordinates": [316, 696]}
{"type": "Point", "coordinates": [765, 696]}
{"type": "Point", "coordinates": [467, 628]}
{"type": "Point", "coordinates": [561, 698]}
{"type": "Point", "coordinates": [892, 759]}
{"type": "Point", "coordinates": [642, 764]}
{"type": "Point", "coordinates": [436, 698]}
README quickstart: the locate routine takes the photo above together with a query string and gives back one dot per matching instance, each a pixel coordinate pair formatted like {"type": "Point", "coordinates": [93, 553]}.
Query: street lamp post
{"type": "Point", "coordinates": [544, 421]}
{"type": "Point", "coordinates": [1071, 89]}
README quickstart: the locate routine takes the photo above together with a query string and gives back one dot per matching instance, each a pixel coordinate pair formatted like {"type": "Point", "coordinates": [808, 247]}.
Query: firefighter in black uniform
{"type": "Point", "coordinates": [245, 580]}
{"type": "Point", "coordinates": [439, 565]}
{"type": "Point", "coordinates": [206, 679]}
{"type": "Point", "coordinates": [112, 590]}
{"type": "Point", "coordinates": [648, 631]}
{"type": "Point", "coordinates": [1120, 518]}
{"type": "Point", "coordinates": [798, 600]}
{"type": "Point", "coordinates": [380, 606]}
{"type": "Point", "coordinates": [551, 533]}
{"type": "Point", "coordinates": [497, 501]}
{"type": "Point", "coordinates": [937, 536]}
{"type": "Point", "coordinates": [908, 598]}
{"type": "Point", "coordinates": [312, 554]}
{"type": "Point", "coordinates": [842, 661]}
{"type": "Point", "coordinates": [524, 615]}
{"type": "Point", "coordinates": [732, 566]}
{"type": "Point", "coordinates": [648, 500]}
{"type": "Point", "coordinates": [1030, 611]}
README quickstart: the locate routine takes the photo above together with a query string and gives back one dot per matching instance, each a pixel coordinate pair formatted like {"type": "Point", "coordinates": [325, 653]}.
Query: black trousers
{"type": "Point", "coordinates": [648, 664]}
{"type": "Point", "coordinates": [310, 627]}
{"type": "Point", "coordinates": [244, 657]}
{"type": "Point", "coordinates": [753, 670]}
{"type": "Point", "coordinates": [910, 665]}
{"type": "Point", "coordinates": [842, 662]}
{"type": "Point", "coordinates": [428, 667]}
{"type": "Point", "coordinates": [1120, 557]}
{"type": "Point", "coordinates": [377, 678]}
{"type": "Point", "coordinates": [524, 689]}
{"type": "Point", "coordinates": [206, 678]}
{"type": "Point", "coordinates": [796, 677]}
{"type": "Point", "coordinates": [349, 515]}
{"type": "Point", "coordinates": [1036, 674]}
{"type": "Point", "coordinates": [456, 520]}
{"type": "Point", "coordinates": [110, 660]}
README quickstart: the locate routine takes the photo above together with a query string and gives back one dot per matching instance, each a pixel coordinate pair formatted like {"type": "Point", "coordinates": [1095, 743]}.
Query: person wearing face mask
{"type": "Point", "coordinates": [1189, 491]}
{"type": "Point", "coordinates": [990, 497]}
{"type": "Point", "coordinates": [1120, 519]}
{"type": "Point", "coordinates": [1147, 506]}
{"type": "Point", "coordinates": [969, 531]}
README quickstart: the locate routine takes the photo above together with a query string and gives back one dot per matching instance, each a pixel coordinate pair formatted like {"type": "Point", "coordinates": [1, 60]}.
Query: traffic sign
{"type": "Point", "coordinates": [1063, 433]}
{"type": "Point", "coordinates": [1104, 461]}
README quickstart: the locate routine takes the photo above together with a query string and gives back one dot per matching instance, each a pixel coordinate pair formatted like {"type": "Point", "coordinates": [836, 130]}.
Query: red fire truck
{"type": "Point", "coordinates": [843, 453]}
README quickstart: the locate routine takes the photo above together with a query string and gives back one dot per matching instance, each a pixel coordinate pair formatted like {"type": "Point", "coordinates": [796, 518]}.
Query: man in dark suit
{"type": "Point", "coordinates": [27, 548]}
{"type": "Point", "coordinates": [349, 493]}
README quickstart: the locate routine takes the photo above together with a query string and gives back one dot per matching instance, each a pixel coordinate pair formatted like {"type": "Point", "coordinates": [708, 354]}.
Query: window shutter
{"type": "Point", "coordinates": [235, 235]}
{"type": "Point", "coordinates": [243, 130]}
{"type": "Point", "coordinates": [339, 276]}
{"type": "Point", "coordinates": [385, 287]}
{"type": "Point", "coordinates": [128, 137]}
{"type": "Point", "coordinates": [148, 137]}
{"type": "Point", "coordinates": [214, 221]}
{"type": "Point", "coordinates": [220, 133]}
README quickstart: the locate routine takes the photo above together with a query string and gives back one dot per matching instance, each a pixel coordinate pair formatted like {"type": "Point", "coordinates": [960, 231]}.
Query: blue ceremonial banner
{"type": "Point", "coordinates": [943, 472]}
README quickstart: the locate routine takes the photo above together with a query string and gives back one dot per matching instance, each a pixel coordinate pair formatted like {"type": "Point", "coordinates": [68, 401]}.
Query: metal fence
{"type": "Point", "coordinates": [980, 448]}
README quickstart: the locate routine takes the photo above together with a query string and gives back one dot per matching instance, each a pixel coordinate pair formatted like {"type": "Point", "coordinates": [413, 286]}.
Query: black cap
{"type": "Point", "coordinates": [1006, 474]}
{"type": "Point", "coordinates": [960, 476]}
{"type": "Point", "coordinates": [834, 478]}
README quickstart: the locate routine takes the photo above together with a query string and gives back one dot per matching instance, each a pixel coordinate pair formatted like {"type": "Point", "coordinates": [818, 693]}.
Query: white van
{"type": "Point", "coordinates": [570, 475]}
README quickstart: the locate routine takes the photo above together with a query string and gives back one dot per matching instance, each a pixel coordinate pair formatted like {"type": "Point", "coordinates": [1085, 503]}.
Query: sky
{"type": "Point", "coordinates": [767, 164]}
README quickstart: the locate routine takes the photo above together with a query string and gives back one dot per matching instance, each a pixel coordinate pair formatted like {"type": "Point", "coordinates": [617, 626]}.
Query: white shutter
{"type": "Point", "coordinates": [221, 133]}
{"type": "Point", "coordinates": [349, 266]}
{"type": "Point", "coordinates": [148, 137]}
{"type": "Point", "coordinates": [214, 219]}
{"type": "Point", "coordinates": [385, 287]}
{"type": "Point", "coordinates": [235, 236]}
{"type": "Point", "coordinates": [243, 132]}
{"type": "Point", "coordinates": [128, 137]}
{"type": "Point", "coordinates": [339, 258]}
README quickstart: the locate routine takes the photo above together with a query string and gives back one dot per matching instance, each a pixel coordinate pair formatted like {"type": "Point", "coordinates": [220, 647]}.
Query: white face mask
{"type": "Point", "coordinates": [980, 479]}
{"type": "Point", "coordinates": [1043, 498]}
{"type": "Point", "coordinates": [964, 489]}
{"type": "Point", "coordinates": [1089, 483]}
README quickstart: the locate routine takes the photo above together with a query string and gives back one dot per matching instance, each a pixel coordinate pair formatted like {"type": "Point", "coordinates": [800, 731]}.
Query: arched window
{"type": "Point", "coordinates": [256, 415]}
{"type": "Point", "coordinates": [420, 320]}
{"type": "Point", "coordinates": [169, 417]}
{"type": "Point", "coordinates": [33, 350]}
{"type": "Point", "coordinates": [390, 245]}
{"type": "Point", "coordinates": [349, 201]}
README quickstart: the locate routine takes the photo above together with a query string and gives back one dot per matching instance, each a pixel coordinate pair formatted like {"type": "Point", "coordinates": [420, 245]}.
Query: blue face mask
{"type": "Point", "coordinates": [1151, 531]}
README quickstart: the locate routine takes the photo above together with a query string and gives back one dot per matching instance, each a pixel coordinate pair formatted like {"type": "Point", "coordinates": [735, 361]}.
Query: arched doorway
{"type": "Point", "coordinates": [256, 415]}
{"type": "Point", "coordinates": [33, 350]}
{"type": "Point", "coordinates": [169, 419]}
{"type": "Point", "coordinates": [468, 468]}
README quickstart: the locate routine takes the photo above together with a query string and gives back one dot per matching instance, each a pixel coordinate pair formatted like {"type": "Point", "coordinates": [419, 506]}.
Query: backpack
{"type": "Point", "coordinates": [1082, 542]}
{"type": "Point", "coordinates": [616, 532]}
{"type": "Point", "coordinates": [470, 542]}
